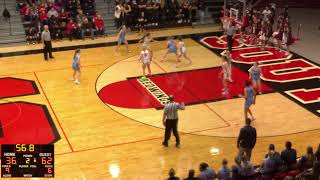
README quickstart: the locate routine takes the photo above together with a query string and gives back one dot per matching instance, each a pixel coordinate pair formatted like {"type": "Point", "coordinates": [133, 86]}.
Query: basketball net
{"type": "Point", "coordinates": [233, 15]}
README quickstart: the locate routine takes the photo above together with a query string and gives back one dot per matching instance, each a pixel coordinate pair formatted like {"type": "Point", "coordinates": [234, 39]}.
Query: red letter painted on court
{"type": "Point", "coordinates": [305, 96]}
{"type": "Point", "coordinates": [250, 55]}
{"type": "Point", "coordinates": [23, 122]}
{"type": "Point", "coordinates": [288, 71]}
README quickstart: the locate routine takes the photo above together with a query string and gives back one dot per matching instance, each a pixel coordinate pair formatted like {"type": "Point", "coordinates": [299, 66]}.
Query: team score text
{"type": "Point", "coordinates": [46, 160]}
{"type": "Point", "coordinates": [11, 160]}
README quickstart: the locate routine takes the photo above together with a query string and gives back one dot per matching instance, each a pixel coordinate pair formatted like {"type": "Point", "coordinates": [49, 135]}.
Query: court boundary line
{"type": "Point", "coordinates": [181, 134]}
{"type": "Point", "coordinates": [55, 115]}
{"type": "Point", "coordinates": [143, 140]}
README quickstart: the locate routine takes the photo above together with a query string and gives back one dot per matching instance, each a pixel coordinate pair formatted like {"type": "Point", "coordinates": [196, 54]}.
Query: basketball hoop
{"type": "Point", "coordinates": [234, 15]}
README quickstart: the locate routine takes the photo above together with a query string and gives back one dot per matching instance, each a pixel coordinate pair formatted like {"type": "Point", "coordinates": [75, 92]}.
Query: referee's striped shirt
{"type": "Point", "coordinates": [171, 110]}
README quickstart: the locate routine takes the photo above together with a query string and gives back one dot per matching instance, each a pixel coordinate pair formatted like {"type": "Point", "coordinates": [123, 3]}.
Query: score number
{"type": "Point", "coordinates": [11, 160]}
{"type": "Point", "coordinates": [46, 160]}
{"type": "Point", "coordinates": [24, 148]}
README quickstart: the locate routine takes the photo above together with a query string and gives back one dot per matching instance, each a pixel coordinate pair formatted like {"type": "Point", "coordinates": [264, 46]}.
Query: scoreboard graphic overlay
{"type": "Point", "coordinates": [27, 160]}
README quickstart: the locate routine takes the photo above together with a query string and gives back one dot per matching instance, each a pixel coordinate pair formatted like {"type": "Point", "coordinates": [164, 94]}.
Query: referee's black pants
{"type": "Point", "coordinates": [171, 124]}
{"type": "Point", "coordinates": [229, 42]}
{"type": "Point", "coordinates": [47, 49]}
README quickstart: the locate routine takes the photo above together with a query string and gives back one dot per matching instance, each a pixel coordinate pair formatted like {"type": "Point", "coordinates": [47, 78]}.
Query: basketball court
{"type": "Point", "coordinates": [110, 126]}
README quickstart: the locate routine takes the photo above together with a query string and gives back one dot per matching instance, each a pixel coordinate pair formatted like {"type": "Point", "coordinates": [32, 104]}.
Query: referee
{"type": "Point", "coordinates": [170, 120]}
{"type": "Point", "coordinates": [46, 40]}
{"type": "Point", "coordinates": [230, 32]}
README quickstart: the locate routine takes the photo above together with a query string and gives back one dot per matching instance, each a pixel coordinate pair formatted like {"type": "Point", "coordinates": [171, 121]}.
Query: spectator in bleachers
{"type": "Point", "coordinates": [289, 156]}
{"type": "Point", "coordinates": [246, 168]}
{"type": "Point", "coordinates": [269, 166]}
{"type": "Point", "coordinates": [119, 14]}
{"type": "Point", "coordinates": [34, 12]}
{"type": "Point", "coordinates": [42, 8]}
{"type": "Point", "coordinates": [31, 35]}
{"type": "Point", "coordinates": [99, 26]}
{"type": "Point", "coordinates": [149, 13]}
{"type": "Point", "coordinates": [224, 173]}
{"type": "Point", "coordinates": [310, 174]}
{"type": "Point", "coordinates": [72, 29]}
{"type": "Point", "coordinates": [172, 175]}
{"type": "Point", "coordinates": [206, 173]}
{"type": "Point", "coordinates": [236, 174]}
{"type": "Point", "coordinates": [171, 8]}
{"type": "Point", "coordinates": [186, 10]}
{"type": "Point", "coordinates": [266, 13]}
{"type": "Point", "coordinates": [52, 12]}
{"type": "Point", "coordinates": [63, 17]}
{"type": "Point", "coordinates": [156, 13]}
{"type": "Point", "coordinates": [276, 157]}
{"type": "Point", "coordinates": [80, 18]}
{"type": "Point", "coordinates": [20, 4]}
{"type": "Point", "coordinates": [55, 27]}
{"type": "Point", "coordinates": [201, 10]}
{"type": "Point", "coordinates": [26, 12]}
{"type": "Point", "coordinates": [88, 9]}
{"type": "Point", "coordinates": [78, 6]}
{"type": "Point", "coordinates": [179, 16]}
{"type": "Point", "coordinates": [318, 153]}
{"type": "Point", "coordinates": [127, 15]}
{"type": "Point", "coordinates": [141, 22]}
{"type": "Point", "coordinates": [316, 170]}
{"type": "Point", "coordinates": [43, 17]}
{"type": "Point", "coordinates": [237, 162]}
{"type": "Point", "coordinates": [90, 2]}
{"type": "Point", "coordinates": [51, 5]}
{"type": "Point", "coordinates": [191, 175]}
{"type": "Point", "coordinates": [307, 161]}
{"type": "Point", "coordinates": [71, 7]}
{"type": "Point", "coordinates": [59, 4]}
{"type": "Point", "coordinates": [87, 28]}
{"type": "Point", "coordinates": [142, 19]}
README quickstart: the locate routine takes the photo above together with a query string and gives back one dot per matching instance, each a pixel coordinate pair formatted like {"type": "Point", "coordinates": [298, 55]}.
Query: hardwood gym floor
{"type": "Point", "coordinates": [104, 142]}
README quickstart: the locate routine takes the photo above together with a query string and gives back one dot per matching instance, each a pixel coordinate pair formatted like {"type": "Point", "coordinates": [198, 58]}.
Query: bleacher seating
{"type": "Point", "coordinates": [297, 171]}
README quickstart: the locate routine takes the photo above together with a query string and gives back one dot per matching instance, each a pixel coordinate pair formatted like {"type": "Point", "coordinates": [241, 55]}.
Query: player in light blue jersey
{"type": "Point", "coordinates": [122, 38]}
{"type": "Point", "coordinates": [171, 48]}
{"type": "Point", "coordinates": [76, 66]}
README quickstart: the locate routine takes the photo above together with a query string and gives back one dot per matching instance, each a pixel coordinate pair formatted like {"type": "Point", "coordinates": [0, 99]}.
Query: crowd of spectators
{"type": "Point", "coordinates": [262, 26]}
{"type": "Point", "coordinates": [65, 18]}
{"type": "Point", "coordinates": [284, 165]}
{"type": "Point", "coordinates": [78, 18]}
{"type": "Point", "coordinates": [141, 14]}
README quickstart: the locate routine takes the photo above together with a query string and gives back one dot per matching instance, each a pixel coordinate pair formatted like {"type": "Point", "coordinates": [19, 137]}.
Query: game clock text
{"type": "Point", "coordinates": [27, 160]}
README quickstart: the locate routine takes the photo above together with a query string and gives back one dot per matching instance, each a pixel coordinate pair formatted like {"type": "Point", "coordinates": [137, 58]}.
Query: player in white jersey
{"type": "Point", "coordinates": [182, 50]}
{"type": "Point", "coordinates": [262, 39]}
{"type": "Point", "coordinates": [145, 59]}
{"type": "Point", "coordinates": [146, 40]}
{"type": "Point", "coordinates": [225, 75]}
{"type": "Point", "coordinates": [228, 56]}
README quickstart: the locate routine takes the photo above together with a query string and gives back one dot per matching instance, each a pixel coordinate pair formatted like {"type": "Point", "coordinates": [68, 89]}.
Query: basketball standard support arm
{"type": "Point", "coordinates": [243, 10]}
